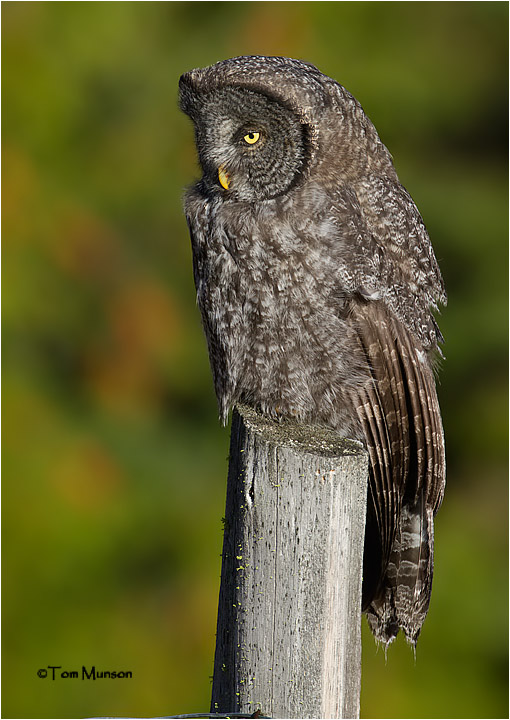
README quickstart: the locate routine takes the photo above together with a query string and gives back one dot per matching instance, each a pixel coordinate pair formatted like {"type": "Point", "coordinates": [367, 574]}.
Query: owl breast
{"type": "Point", "coordinates": [275, 317]}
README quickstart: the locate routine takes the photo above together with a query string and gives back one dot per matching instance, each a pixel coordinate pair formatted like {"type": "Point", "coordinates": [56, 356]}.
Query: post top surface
{"type": "Point", "coordinates": [314, 439]}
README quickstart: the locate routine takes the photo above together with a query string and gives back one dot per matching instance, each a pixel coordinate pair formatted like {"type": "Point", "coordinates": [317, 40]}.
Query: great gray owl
{"type": "Point", "coordinates": [316, 281]}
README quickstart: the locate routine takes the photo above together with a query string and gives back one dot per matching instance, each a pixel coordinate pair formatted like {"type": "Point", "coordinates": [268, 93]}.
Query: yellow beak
{"type": "Point", "coordinates": [223, 177]}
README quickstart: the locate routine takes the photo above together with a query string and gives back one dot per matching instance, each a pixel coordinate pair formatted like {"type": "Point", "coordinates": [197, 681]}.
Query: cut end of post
{"type": "Point", "coordinates": [314, 439]}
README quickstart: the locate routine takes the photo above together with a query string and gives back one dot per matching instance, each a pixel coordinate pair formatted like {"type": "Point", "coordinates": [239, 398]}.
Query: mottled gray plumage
{"type": "Point", "coordinates": [316, 281]}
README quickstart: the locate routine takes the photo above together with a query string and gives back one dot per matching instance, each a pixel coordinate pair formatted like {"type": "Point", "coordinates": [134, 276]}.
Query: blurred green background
{"type": "Point", "coordinates": [114, 464]}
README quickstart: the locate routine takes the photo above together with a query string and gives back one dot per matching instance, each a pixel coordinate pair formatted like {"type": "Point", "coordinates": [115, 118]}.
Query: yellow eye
{"type": "Point", "coordinates": [251, 138]}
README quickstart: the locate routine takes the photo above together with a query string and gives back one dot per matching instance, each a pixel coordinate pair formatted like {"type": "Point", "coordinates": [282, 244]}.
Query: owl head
{"type": "Point", "coordinates": [264, 125]}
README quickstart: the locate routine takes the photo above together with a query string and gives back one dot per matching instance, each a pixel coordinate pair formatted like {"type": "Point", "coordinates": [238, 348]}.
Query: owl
{"type": "Point", "coordinates": [317, 282]}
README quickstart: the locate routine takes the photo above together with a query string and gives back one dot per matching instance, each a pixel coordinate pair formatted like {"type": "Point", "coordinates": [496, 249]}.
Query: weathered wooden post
{"type": "Point", "coordinates": [288, 639]}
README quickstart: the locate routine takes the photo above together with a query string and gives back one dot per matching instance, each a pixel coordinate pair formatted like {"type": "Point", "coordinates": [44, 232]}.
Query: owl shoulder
{"type": "Point", "coordinates": [396, 225]}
